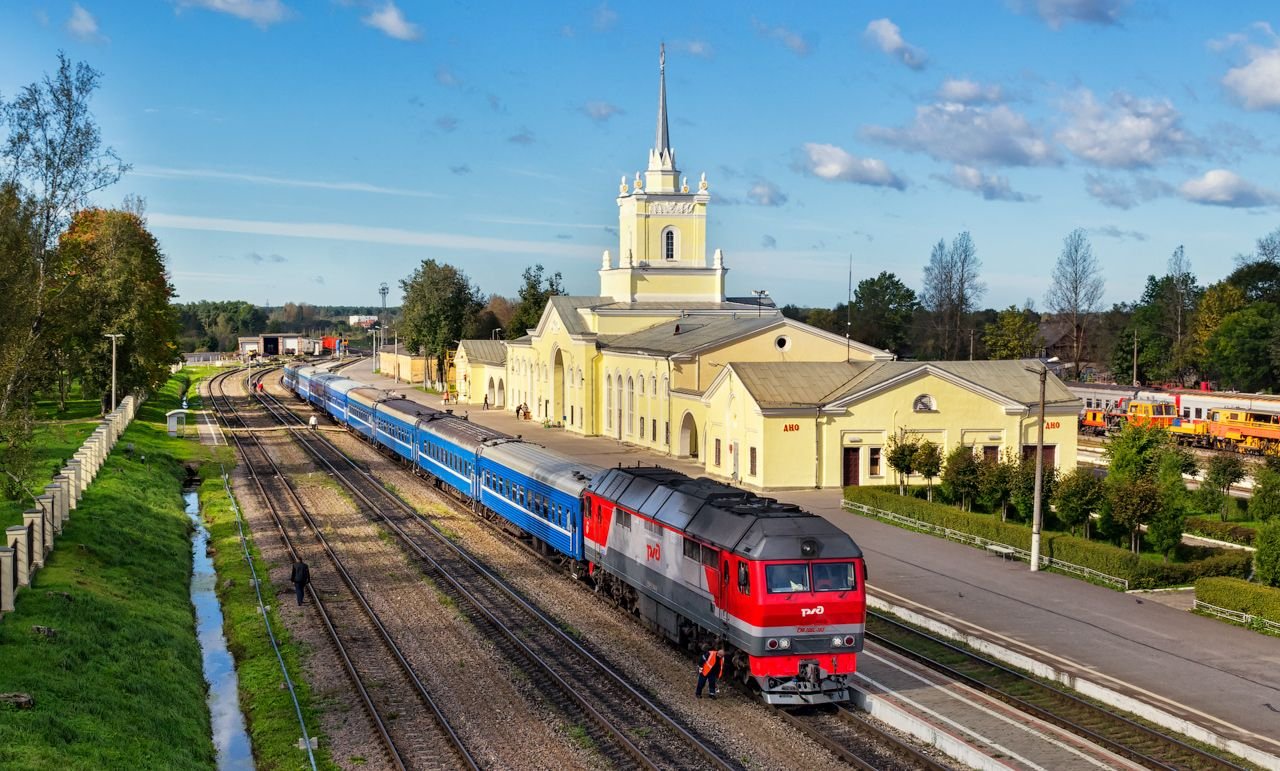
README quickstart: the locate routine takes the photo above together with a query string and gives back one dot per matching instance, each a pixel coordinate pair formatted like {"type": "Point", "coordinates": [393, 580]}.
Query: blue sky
{"type": "Point", "coordinates": [308, 151]}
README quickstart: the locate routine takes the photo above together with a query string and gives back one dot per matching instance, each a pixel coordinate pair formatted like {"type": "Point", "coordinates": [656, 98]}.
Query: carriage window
{"type": "Point", "coordinates": [691, 549]}
{"type": "Point", "coordinates": [709, 556]}
{"type": "Point", "coordinates": [652, 527]}
{"type": "Point", "coordinates": [622, 517]}
{"type": "Point", "coordinates": [833, 576]}
{"type": "Point", "coordinates": [785, 579]}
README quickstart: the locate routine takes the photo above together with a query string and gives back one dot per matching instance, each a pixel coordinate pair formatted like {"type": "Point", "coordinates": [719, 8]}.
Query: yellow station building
{"type": "Point", "coordinates": [664, 359]}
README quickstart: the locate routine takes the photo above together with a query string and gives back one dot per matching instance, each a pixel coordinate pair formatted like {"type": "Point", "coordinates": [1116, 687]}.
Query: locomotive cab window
{"type": "Point", "coordinates": [744, 578]}
{"type": "Point", "coordinates": [692, 550]}
{"type": "Point", "coordinates": [833, 576]}
{"type": "Point", "coordinates": [786, 579]}
{"type": "Point", "coordinates": [622, 517]}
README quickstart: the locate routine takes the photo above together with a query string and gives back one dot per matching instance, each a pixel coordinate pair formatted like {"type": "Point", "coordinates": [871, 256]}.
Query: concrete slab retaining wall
{"type": "Point", "coordinates": [26, 547]}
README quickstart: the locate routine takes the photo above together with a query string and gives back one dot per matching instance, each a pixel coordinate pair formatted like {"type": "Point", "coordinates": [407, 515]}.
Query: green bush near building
{"type": "Point", "coordinates": [1102, 557]}
{"type": "Point", "coordinates": [1222, 531]}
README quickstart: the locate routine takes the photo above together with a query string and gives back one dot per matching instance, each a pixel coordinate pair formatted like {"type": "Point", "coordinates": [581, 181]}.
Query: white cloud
{"type": "Point", "coordinates": [992, 187]}
{"type": "Point", "coordinates": [1058, 12]}
{"type": "Point", "coordinates": [1256, 84]}
{"type": "Point", "coordinates": [1121, 194]}
{"type": "Point", "coordinates": [601, 111]}
{"type": "Point", "coordinates": [1126, 133]}
{"type": "Point", "coordinates": [1112, 231]}
{"type": "Point", "coordinates": [83, 26]}
{"type": "Point", "coordinates": [391, 22]}
{"type": "Point", "coordinates": [970, 135]}
{"type": "Point", "coordinates": [835, 164]}
{"type": "Point", "coordinates": [603, 18]}
{"type": "Point", "coordinates": [445, 77]}
{"type": "Point", "coordinates": [888, 37]}
{"type": "Point", "coordinates": [765, 193]}
{"type": "Point", "coordinates": [258, 179]}
{"type": "Point", "coordinates": [264, 13]}
{"type": "Point", "coordinates": [1220, 187]}
{"type": "Point", "coordinates": [965, 91]}
{"type": "Point", "coordinates": [789, 38]}
{"type": "Point", "coordinates": [332, 231]}
{"type": "Point", "coordinates": [699, 48]}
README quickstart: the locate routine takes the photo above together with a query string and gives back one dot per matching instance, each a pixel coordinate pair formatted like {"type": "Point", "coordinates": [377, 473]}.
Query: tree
{"type": "Point", "coordinates": [883, 308]}
{"type": "Point", "coordinates": [1014, 335]}
{"type": "Point", "coordinates": [55, 152]}
{"type": "Point", "coordinates": [1076, 498]}
{"type": "Point", "coordinates": [1135, 451]}
{"type": "Point", "coordinates": [1024, 487]}
{"type": "Point", "coordinates": [1133, 503]}
{"type": "Point", "coordinates": [1160, 321]}
{"type": "Point", "coordinates": [18, 240]}
{"type": "Point", "coordinates": [1164, 532]}
{"type": "Point", "coordinates": [960, 477]}
{"type": "Point", "coordinates": [534, 294]}
{"type": "Point", "coordinates": [439, 300]}
{"type": "Point", "coordinates": [1076, 291]}
{"type": "Point", "coordinates": [951, 290]}
{"type": "Point", "coordinates": [1242, 350]}
{"type": "Point", "coordinates": [1265, 503]}
{"type": "Point", "coordinates": [1266, 561]}
{"type": "Point", "coordinates": [1224, 470]}
{"type": "Point", "coordinates": [995, 484]}
{"type": "Point", "coordinates": [901, 455]}
{"type": "Point", "coordinates": [928, 462]}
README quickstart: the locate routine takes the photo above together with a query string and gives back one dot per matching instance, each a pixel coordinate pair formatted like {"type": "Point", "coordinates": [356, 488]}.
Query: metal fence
{"type": "Point", "coordinates": [1237, 616]}
{"type": "Point", "coordinates": [1002, 549]}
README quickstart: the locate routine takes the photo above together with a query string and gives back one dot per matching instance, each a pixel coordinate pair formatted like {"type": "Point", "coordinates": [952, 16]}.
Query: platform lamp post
{"type": "Point", "coordinates": [114, 337]}
{"type": "Point", "coordinates": [1037, 516]}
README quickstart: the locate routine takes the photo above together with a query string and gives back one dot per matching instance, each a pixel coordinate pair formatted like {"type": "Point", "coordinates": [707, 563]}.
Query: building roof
{"type": "Point", "coordinates": [485, 351]}
{"type": "Point", "coordinates": [685, 334]}
{"type": "Point", "coordinates": [567, 308]}
{"type": "Point", "coordinates": [812, 384]}
{"type": "Point", "coordinates": [698, 306]}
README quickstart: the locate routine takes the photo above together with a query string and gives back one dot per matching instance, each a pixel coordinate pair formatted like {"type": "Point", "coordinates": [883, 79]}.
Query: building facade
{"type": "Point", "coordinates": [664, 359]}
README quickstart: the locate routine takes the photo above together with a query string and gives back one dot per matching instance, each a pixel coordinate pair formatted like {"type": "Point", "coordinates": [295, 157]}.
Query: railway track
{"type": "Point", "coordinates": [623, 724]}
{"type": "Point", "coordinates": [410, 726]}
{"type": "Point", "coordinates": [857, 741]}
{"type": "Point", "coordinates": [1125, 737]}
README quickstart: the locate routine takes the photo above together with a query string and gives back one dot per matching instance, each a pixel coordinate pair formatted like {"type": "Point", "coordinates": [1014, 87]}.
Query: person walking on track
{"type": "Point", "coordinates": [710, 668]}
{"type": "Point", "coordinates": [301, 576]}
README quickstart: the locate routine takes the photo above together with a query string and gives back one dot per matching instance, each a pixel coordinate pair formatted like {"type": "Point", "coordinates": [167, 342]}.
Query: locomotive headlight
{"type": "Point", "coordinates": [784, 643]}
{"type": "Point", "coordinates": [836, 641]}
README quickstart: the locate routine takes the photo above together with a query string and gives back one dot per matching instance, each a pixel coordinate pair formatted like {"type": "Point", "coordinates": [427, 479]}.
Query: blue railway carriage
{"type": "Point", "coordinates": [537, 490]}
{"type": "Point", "coordinates": [299, 380]}
{"type": "Point", "coordinates": [395, 424]}
{"type": "Point", "coordinates": [361, 402]}
{"type": "Point", "coordinates": [335, 397]}
{"type": "Point", "coordinates": [448, 447]}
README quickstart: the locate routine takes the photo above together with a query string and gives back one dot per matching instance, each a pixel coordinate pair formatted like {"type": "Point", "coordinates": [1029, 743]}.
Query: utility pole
{"type": "Point", "coordinates": [383, 289]}
{"type": "Point", "coordinates": [1135, 358]}
{"type": "Point", "coordinates": [396, 336]}
{"type": "Point", "coordinates": [114, 337]}
{"type": "Point", "coordinates": [1037, 515]}
{"type": "Point", "coordinates": [971, 345]}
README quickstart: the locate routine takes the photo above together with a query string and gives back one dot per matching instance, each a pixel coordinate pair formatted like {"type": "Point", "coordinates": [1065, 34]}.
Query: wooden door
{"type": "Point", "coordinates": [850, 467]}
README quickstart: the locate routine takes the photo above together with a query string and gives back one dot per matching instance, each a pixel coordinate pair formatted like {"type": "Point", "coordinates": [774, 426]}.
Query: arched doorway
{"type": "Point", "coordinates": [631, 406]}
{"type": "Point", "coordinates": [559, 410]}
{"type": "Point", "coordinates": [501, 400]}
{"type": "Point", "coordinates": [492, 393]}
{"type": "Point", "coordinates": [688, 436]}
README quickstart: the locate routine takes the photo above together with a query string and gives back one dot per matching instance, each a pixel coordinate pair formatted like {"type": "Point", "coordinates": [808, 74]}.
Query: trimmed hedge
{"type": "Point", "coordinates": [1102, 557]}
{"type": "Point", "coordinates": [1223, 531]}
{"type": "Point", "coordinates": [1236, 594]}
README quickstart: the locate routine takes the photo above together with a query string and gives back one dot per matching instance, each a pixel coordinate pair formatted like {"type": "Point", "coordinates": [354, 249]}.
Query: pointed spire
{"type": "Point", "coordinates": [663, 142]}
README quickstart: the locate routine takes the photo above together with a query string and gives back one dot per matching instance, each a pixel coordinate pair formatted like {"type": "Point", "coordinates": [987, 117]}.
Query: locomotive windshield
{"type": "Point", "coordinates": [826, 577]}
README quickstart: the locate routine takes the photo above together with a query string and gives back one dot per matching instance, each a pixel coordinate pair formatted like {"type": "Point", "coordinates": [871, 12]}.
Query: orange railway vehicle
{"type": "Point", "coordinates": [1249, 432]}
{"type": "Point", "coordinates": [1145, 413]}
{"type": "Point", "coordinates": [1094, 422]}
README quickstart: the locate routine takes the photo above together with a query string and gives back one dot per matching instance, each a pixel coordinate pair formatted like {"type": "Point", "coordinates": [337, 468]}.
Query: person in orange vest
{"type": "Point", "coordinates": [710, 667]}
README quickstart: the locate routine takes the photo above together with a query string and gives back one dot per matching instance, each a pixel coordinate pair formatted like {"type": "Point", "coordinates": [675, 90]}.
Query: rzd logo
{"type": "Point", "coordinates": [654, 552]}
{"type": "Point", "coordinates": [811, 611]}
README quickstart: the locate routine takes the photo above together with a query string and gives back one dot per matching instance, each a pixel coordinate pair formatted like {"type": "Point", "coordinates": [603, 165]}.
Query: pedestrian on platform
{"type": "Point", "coordinates": [486, 402]}
{"type": "Point", "coordinates": [301, 576]}
{"type": "Point", "coordinates": [710, 667]}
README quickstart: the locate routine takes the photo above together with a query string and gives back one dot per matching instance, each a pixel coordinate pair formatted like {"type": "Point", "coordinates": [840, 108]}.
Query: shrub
{"type": "Point", "coordinates": [1235, 594]}
{"type": "Point", "coordinates": [1268, 556]}
{"type": "Point", "coordinates": [1222, 531]}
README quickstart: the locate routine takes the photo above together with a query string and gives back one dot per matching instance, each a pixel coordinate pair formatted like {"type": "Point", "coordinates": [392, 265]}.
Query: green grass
{"type": "Point", "coordinates": [52, 445]}
{"type": "Point", "coordinates": [121, 684]}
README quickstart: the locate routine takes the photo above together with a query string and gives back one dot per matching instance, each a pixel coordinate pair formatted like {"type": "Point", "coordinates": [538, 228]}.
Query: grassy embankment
{"type": "Point", "coordinates": [119, 683]}
{"type": "Point", "coordinates": [56, 438]}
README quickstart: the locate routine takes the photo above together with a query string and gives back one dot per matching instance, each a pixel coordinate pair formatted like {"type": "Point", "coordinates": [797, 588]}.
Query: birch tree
{"type": "Point", "coordinates": [1076, 291]}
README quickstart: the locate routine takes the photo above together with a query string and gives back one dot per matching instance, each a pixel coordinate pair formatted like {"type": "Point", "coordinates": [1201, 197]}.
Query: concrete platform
{"type": "Point", "coordinates": [1218, 676]}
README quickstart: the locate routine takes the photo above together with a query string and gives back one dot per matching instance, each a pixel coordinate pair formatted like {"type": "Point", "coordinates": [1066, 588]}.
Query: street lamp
{"type": "Point", "coordinates": [114, 337]}
{"type": "Point", "coordinates": [1037, 516]}
{"type": "Point", "coordinates": [760, 295]}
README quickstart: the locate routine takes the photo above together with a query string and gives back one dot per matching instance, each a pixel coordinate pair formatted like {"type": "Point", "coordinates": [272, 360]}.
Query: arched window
{"type": "Point", "coordinates": [608, 401]}
{"type": "Point", "coordinates": [924, 403]}
{"type": "Point", "coordinates": [631, 407]}
{"type": "Point", "coordinates": [669, 244]}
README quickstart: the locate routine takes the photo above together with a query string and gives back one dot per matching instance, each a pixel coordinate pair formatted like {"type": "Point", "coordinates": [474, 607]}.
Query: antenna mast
{"type": "Point", "coordinates": [848, 311]}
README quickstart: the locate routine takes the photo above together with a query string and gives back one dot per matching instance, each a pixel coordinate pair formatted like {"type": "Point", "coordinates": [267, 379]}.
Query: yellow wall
{"type": "Point", "coordinates": [403, 367]}
{"type": "Point", "coordinates": [806, 344]}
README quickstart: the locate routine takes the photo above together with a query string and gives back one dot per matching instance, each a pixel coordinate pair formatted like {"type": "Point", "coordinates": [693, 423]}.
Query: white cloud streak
{"type": "Point", "coordinates": [1127, 132]}
{"type": "Point", "coordinates": [330, 231]}
{"type": "Point", "coordinates": [963, 91]}
{"type": "Point", "coordinates": [835, 164]}
{"type": "Point", "coordinates": [264, 13]}
{"type": "Point", "coordinates": [258, 179]}
{"type": "Point", "coordinates": [970, 136]}
{"type": "Point", "coordinates": [992, 187]}
{"type": "Point", "coordinates": [83, 26]}
{"type": "Point", "coordinates": [390, 21]}
{"type": "Point", "coordinates": [888, 38]}
{"type": "Point", "coordinates": [1220, 187]}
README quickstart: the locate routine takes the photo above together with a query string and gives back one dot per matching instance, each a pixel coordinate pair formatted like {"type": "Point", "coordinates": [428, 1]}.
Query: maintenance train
{"type": "Point", "coordinates": [697, 560]}
{"type": "Point", "coordinates": [1224, 420]}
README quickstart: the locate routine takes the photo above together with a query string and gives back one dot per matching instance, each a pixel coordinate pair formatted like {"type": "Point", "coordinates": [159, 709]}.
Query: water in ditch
{"type": "Point", "coordinates": [229, 736]}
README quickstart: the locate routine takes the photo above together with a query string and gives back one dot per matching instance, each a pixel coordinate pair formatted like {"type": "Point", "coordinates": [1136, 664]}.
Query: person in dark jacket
{"type": "Point", "coordinates": [710, 667]}
{"type": "Point", "coordinates": [301, 576]}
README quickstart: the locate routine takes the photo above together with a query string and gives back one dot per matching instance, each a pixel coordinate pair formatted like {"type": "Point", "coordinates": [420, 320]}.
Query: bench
{"type": "Point", "coordinates": [1005, 552]}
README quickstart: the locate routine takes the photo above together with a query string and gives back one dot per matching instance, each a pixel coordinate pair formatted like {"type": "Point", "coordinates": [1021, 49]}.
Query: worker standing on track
{"type": "Point", "coordinates": [300, 576]}
{"type": "Point", "coordinates": [710, 667]}
{"type": "Point", "coordinates": [312, 423]}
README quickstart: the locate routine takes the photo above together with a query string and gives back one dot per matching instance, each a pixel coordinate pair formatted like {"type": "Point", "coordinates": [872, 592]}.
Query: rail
{"type": "Point", "coordinates": [1240, 617]}
{"type": "Point", "coordinates": [1003, 549]}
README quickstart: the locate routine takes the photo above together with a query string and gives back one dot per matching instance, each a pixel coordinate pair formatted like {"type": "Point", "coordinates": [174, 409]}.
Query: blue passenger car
{"type": "Point", "coordinates": [361, 402]}
{"type": "Point", "coordinates": [395, 423]}
{"type": "Point", "coordinates": [447, 447]}
{"type": "Point", "coordinates": [536, 489]}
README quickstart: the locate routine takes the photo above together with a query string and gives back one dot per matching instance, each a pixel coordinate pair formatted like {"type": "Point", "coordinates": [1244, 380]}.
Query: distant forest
{"type": "Point", "coordinates": [215, 326]}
